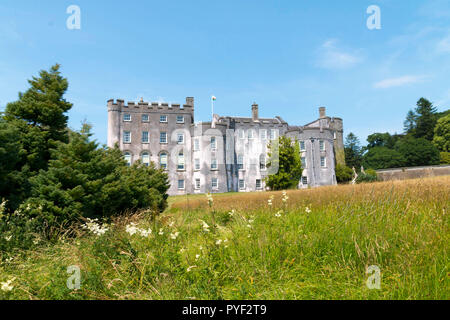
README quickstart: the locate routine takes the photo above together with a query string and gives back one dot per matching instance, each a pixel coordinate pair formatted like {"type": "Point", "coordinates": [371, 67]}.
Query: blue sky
{"type": "Point", "coordinates": [288, 56]}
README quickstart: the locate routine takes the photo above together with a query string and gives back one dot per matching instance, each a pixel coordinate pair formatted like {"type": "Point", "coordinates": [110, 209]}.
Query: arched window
{"type": "Point", "coordinates": [127, 157]}
{"type": "Point", "coordinates": [145, 158]}
{"type": "Point", "coordinates": [163, 160]}
{"type": "Point", "coordinates": [180, 165]}
{"type": "Point", "coordinates": [262, 162]}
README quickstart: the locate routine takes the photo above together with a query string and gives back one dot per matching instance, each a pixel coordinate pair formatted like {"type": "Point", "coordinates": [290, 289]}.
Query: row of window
{"type": "Point", "coordinates": [323, 162]}
{"type": "Point", "coordinates": [146, 118]}
{"type": "Point", "coordinates": [321, 145]}
{"type": "Point", "coordinates": [215, 184]}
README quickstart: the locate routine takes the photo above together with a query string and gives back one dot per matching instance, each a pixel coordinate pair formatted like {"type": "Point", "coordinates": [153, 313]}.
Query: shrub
{"type": "Point", "coordinates": [84, 181]}
{"type": "Point", "coordinates": [445, 157]}
{"type": "Point", "coordinates": [343, 173]}
{"type": "Point", "coordinates": [370, 175]}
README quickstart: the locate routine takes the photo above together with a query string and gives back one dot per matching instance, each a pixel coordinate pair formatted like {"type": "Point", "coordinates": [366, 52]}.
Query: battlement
{"type": "Point", "coordinates": [143, 106]}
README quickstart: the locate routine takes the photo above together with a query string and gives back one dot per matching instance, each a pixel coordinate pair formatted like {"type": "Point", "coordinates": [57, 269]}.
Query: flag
{"type": "Point", "coordinates": [213, 98]}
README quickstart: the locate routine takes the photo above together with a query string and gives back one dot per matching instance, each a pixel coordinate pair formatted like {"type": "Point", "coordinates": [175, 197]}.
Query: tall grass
{"type": "Point", "coordinates": [316, 245]}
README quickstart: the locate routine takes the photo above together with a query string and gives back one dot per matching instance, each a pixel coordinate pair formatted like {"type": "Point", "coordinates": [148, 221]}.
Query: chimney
{"type": "Point", "coordinates": [254, 112]}
{"type": "Point", "coordinates": [190, 101]}
{"type": "Point", "coordinates": [322, 112]}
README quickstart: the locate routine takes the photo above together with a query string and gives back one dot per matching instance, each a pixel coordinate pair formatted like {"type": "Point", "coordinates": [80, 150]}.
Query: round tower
{"type": "Point", "coordinates": [114, 122]}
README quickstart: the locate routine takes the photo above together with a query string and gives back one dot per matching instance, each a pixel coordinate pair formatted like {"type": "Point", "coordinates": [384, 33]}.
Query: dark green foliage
{"type": "Point", "coordinates": [420, 123]}
{"type": "Point", "coordinates": [39, 122]}
{"type": "Point", "coordinates": [442, 134]}
{"type": "Point", "coordinates": [343, 173]}
{"type": "Point", "coordinates": [83, 180]}
{"type": "Point", "coordinates": [418, 152]}
{"type": "Point", "coordinates": [381, 140]}
{"type": "Point", "coordinates": [353, 151]}
{"type": "Point", "coordinates": [288, 163]}
{"type": "Point", "coordinates": [383, 158]}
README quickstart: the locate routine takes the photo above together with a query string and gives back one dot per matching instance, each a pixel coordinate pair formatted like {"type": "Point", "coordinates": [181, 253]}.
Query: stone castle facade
{"type": "Point", "coordinates": [226, 154]}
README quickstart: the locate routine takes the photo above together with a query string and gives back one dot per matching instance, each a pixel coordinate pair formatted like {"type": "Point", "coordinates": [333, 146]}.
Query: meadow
{"type": "Point", "coordinates": [301, 244]}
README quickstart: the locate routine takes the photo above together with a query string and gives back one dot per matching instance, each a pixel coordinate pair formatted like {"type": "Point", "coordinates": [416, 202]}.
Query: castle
{"type": "Point", "coordinates": [226, 154]}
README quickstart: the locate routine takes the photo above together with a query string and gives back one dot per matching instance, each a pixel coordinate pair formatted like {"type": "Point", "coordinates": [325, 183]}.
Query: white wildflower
{"type": "Point", "coordinates": [205, 226]}
{"type": "Point", "coordinates": [219, 242]}
{"type": "Point", "coordinates": [93, 226]}
{"type": "Point", "coordinates": [131, 229]}
{"type": "Point", "coordinates": [278, 214]}
{"type": "Point", "coordinates": [190, 268]}
{"type": "Point", "coordinates": [145, 233]}
{"type": "Point", "coordinates": [161, 232]}
{"type": "Point", "coordinates": [308, 210]}
{"type": "Point", "coordinates": [231, 213]}
{"type": "Point", "coordinates": [173, 236]}
{"type": "Point", "coordinates": [7, 286]}
{"type": "Point", "coordinates": [197, 256]}
{"type": "Point", "coordinates": [210, 199]}
{"type": "Point", "coordinates": [8, 238]}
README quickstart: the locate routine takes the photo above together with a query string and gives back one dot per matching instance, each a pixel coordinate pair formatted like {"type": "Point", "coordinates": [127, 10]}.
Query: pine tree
{"type": "Point", "coordinates": [353, 151]}
{"type": "Point", "coordinates": [426, 119]}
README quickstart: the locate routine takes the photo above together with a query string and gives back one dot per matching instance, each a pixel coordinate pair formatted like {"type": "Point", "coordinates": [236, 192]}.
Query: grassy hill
{"type": "Point", "coordinates": [316, 244]}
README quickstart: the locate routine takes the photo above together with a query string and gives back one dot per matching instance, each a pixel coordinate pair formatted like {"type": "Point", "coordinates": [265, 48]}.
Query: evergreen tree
{"type": "Point", "coordinates": [353, 151]}
{"type": "Point", "coordinates": [410, 123]}
{"type": "Point", "coordinates": [418, 152]}
{"type": "Point", "coordinates": [426, 120]}
{"type": "Point", "coordinates": [288, 163]}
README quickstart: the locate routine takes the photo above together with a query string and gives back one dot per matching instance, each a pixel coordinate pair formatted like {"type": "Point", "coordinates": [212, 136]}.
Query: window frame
{"type": "Point", "coordinates": [217, 183]}
{"type": "Point", "coordinates": [324, 162]}
{"type": "Point", "coordinates": [148, 137]}
{"type": "Point", "coordinates": [161, 117]}
{"type": "Point", "coordinates": [243, 184]}
{"type": "Point", "coordinates": [166, 164]}
{"type": "Point", "coordinates": [178, 138]}
{"type": "Point", "coordinates": [145, 115]}
{"type": "Point", "coordinates": [161, 135]}
{"type": "Point", "coordinates": [184, 184]}
{"type": "Point", "coordinates": [199, 185]}
{"type": "Point", "coordinates": [142, 158]}
{"type": "Point", "coordinates": [127, 114]}
{"type": "Point", "coordinates": [182, 121]}
{"type": "Point", "coordinates": [126, 134]}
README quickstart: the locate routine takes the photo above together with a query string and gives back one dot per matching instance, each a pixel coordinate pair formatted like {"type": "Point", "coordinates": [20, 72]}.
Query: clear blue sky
{"type": "Point", "coordinates": [288, 56]}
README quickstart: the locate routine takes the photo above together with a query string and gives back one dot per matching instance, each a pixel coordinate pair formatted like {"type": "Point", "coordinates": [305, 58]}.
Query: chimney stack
{"type": "Point", "coordinates": [190, 101]}
{"type": "Point", "coordinates": [322, 112]}
{"type": "Point", "coordinates": [254, 112]}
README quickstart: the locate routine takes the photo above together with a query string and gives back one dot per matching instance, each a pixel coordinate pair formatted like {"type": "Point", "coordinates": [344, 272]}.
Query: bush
{"type": "Point", "coordinates": [445, 157]}
{"type": "Point", "coordinates": [370, 175]}
{"type": "Point", "coordinates": [84, 181]}
{"type": "Point", "coordinates": [343, 173]}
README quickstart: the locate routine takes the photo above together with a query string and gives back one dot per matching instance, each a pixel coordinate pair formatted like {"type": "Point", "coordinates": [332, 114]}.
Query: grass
{"type": "Point", "coordinates": [319, 247]}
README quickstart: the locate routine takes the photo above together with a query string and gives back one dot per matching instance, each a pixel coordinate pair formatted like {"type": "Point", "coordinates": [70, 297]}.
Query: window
{"type": "Point", "coordinates": [126, 137]}
{"type": "Point", "coordinates": [197, 184]}
{"type": "Point", "coordinates": [262, 162]}
{"type": "Point", "coordinates": [240, 162]}
{"type": "Point", "coordinates": [180, 119]}
{"type": "Point", "coordinates": [334, 135]}
{"type": "Point", "coordinates": [127, 157]}
{"type": "Point", "coordinates": [302, 146]}
{"type": "Point", "coordinates": [304, 180]}
{"type": "Point", "coordinates": [241, 184]}
{"type": "Point", "coordinates": [323, 162]}
{"type": "Point", "coordinates": [213, 143]}
{"type": "Point", "coordinates": [214, 183]}
{"type": "Point", "coordinates": [181, 184]}
{"type": "Point", "coordinates": [145, 118]}
{"type": "Point", "coordinates": [213, 164]}
{"type": "Point", "coordinates": [321, 145]}
{"type": "Point", "coordinates": [196, 144]}
{"type": "Point", "coordinates": [163, 118]}
{"type": "Point", "coordinates": [303, 162]}
{"type": "Point", "coordinates": [263, 134]}
{"type": "Point", "coordinates": [241, 134]}
{"type": "Point", "coordinates": [180, 138]}
{"type": "Point", "coordinates": [163, 160]}
{"type": "Point", "coordinates": [258, 184]}
{"type": "Point", "coordinates": [273, 134]}
{"type": "Point", "coordinates": [180, 165]}
{"type": "Point", "coordinates": [146, 158]}
{"type": "Point", "coordinates": [127, 117]}
{"type": "Point", "coordinates": [250, 134]}
{"type": "Point", "coordinates": [196, 164]}
{"type": "Point", "coordinates": [163, 137]}
{"type": "Point", "coordinates": [144, 136]}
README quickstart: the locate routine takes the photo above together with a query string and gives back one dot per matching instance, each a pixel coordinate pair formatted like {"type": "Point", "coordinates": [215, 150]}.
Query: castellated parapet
{"type": "Point", "coordinates": [226, 154]}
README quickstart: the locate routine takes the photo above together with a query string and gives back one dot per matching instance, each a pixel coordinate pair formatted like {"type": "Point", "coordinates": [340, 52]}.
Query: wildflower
{"type": "Point", "coordinates": [197, 256]}
{"type": "Point", "coordinates": [2, 207]}
{"type": "Point", "coordinates": [131, 229]}
{"type": "Point", "coordinates": [278, 214]}
{"type": "Point", "coordinates": [8, 238]}
{"type": "Point", "coordinates": [145, 233]}
{"type": "Point", "coordinates": [231, 213]}
{"type": "Point", "coordinates": [7, 286]}
{"type": "Point", "coordinates": [182, 250]}
{"type": "Point", "coordinates": [190, 268]}
{"type": "Point", "coordinates": [249, 226]}
{"type": "Point", "coordinates": [173, 236]}
{"type": "Point", "coordinates": [161, 232]}
{"type": "Point", "coordinates": [285, 197]}
{"type": "Point", "coordinates": [219, 242]}
{"type": "Point", "coordinates": [210, 199]}
{"type": "Point", "coordinates": [205, 226]}
{"type": "Point", "coordinates": [172, 224]}
{"type": "Point", "coordinates": [308, 210]}
{"type": "Point", "coordinates": [93, 226]}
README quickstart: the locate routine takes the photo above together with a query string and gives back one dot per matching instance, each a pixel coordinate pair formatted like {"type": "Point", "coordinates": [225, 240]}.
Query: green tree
{"type": "Point", "coordinates": [288, 163]}
{"type": "Point", "coordinates": [84, 180]}
{"type": "Point", "coordinates": [445, 157]}
{"type": "Point", "coordinates": [39, 119]}
{"type": "Point", "coordinates": [381, 140]}
{"type": "Point", "coordinates": [418, 152]}
{"type": "Point", "coordinates": [343, 173]}
{"type": "Point", "coordinates": [426, 120]}
{"type": "Point", "coordinates": [353, 151]}
{"type": "Point", "coordinates": [409, 124]}
{"type": "Point", "coordinates": [383, 158]}
{"type": "Point", "coordinates": [442, 134]}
